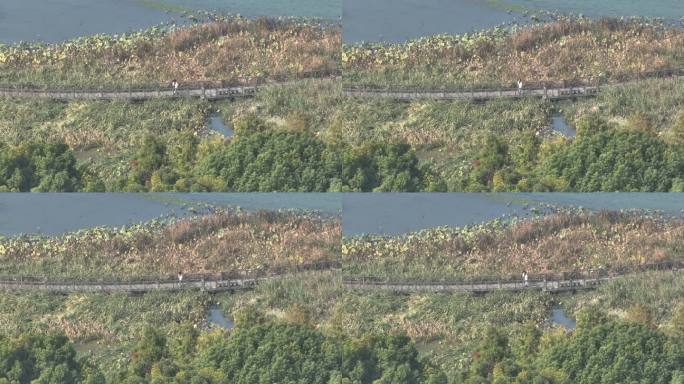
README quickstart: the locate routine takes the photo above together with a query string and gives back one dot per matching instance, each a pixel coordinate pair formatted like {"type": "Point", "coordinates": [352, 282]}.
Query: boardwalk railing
{"type": "Point", "coordinates": [212, 282]}
{"type": "Point", "coordinates": [204, 89]}
{"type": "Point", "coordinates": [557, 282]}
{"type": "Point", "coordinates": [550, 89]}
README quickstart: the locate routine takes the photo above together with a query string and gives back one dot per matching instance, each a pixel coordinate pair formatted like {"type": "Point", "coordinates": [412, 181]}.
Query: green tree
{"type": "Point", "coordinates": [39, 358]}
{"type": "Point", "coordinates": [603, 159]}
{"type": "Point", "coordinates": [616, 353]}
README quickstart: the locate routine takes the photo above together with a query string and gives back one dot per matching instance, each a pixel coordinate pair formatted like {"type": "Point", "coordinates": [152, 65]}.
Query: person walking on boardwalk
{"type": "Point", "coordinates": [174, 85]}
{"type": "Point", "coordinates": [525, 277]}
{"type": "Point", "coordinates": [520, 87]}
{"type": "Point", "coordinates": [180, 277]}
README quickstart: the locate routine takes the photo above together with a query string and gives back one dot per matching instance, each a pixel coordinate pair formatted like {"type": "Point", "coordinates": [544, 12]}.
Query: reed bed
{"type": "Point", "coordinates": [229, 50]}
{"type": "Point", "coordinates": [575, 50]}
{"type": "Point", "coordinates": [554, 243]}
{"type": "Point", "coordinates": [239, 242]}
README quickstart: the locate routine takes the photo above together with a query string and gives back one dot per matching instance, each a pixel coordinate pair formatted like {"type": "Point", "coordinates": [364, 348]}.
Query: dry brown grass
{"type": "Point", "coordinates": [570, 50]}
{"type": "Point", "coordinates": [555, 243]}
{"type": "Point", "coordinates": [234, 242]}
{"type": "Point", "coordinates": [232, 51]}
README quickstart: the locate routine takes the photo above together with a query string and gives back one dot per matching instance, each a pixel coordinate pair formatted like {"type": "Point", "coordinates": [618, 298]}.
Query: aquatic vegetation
{"type": "Point", "coordinates": [239, 242]}
{"type": "Point", "coordinates": [225, 50]}
{"type": "Point", "coordinates": [554, 243]}
{"type": "Point", "coordinates": [570, 50]}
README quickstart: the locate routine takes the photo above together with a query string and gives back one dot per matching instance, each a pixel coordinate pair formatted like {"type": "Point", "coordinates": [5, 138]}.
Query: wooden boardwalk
{"type": "Point", "coordinates": [553, 285]}
{"type": "Point", "coordinates": [132, 287]}
{"type": "Point", "coordinates": [217, 283]}
{"type": "Point", "coordinates": [481, 95]}
{"type": "Point", "coordinates": [548, 92]}
{"type": "Point", "coordinates": [210, 282]}
{"type": "Point", "coordinates": [203, 90]}
{"type": "Point", "coordinates": [133, 95]}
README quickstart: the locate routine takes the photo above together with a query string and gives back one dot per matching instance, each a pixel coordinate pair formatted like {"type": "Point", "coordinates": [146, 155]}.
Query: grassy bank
{"type": "Point", "coordinates": [559, 242]}
{"type": "Point", "coordinates": [240, 242]}
{"type": "Point", "coordinates": [574, 50]}
{"type": "Point", "coordinates": [232, 50]}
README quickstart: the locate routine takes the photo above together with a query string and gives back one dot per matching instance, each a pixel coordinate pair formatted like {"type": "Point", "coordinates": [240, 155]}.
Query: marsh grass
{"type": "Point", "coordinates": [230, 50]}
{"type": "Point", "coordinates": [559, 242]}
{"type": "Point", "coordinates": [240, 242]}
{"type": "Point", "coordinates": [104, 326]}
{"type": "Point", "coordinates": [569, 49]}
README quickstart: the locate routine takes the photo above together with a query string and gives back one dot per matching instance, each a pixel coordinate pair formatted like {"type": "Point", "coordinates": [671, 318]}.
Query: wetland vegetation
{"type": "Point", "coordinates": [574, 50]}
{"type": "Point", "coordinates": [226, 50]}
{"type": "Point", "coordinates": [564, 241]}
{"type": "Point", "coordinates": [243, 243]}
{"type": "Point", "coordinates": [433, 338]}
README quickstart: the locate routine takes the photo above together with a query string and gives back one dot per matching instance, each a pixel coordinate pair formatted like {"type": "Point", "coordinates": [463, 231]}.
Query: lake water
{"type": "Point", "coordinates": [325, 9]}
{"type": "Point", "coordinates": [668, 9]}
{"type": "Point", "coordinates": [395, 213]}
{"type": "Point", "coordinates": [58, 20]}
{"type": "Point", "coordinates": [57, 213]}
{"type": "Point", "coordinates": [401, 20]}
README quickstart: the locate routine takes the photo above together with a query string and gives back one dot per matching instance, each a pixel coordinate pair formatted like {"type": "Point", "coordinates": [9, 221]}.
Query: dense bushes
{"type": "Point", "coordinates": [266, 352]}
{"type": "Point", "coordinates": [47, 167]}
{"type": "Point", "coordinates": [617, 353]}
{"type": "Point", "coordinates": [602, 158]}
{"type": "Point", "coordinates": [260, 351]}
{"type": "Point", "coordinates": [612, 160]}
{"type": "Point", "coordinates": [272, 161]}
{"type": "Point", "coordinates": [260, 158]}
{"type": "Point", "coordinates": [39, 358]}
{"type": "Point", "coordinates": [604, 353]}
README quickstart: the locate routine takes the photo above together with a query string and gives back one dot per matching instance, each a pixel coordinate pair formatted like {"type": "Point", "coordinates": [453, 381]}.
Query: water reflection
{"type": "Point", "coordinates": [401, 20]}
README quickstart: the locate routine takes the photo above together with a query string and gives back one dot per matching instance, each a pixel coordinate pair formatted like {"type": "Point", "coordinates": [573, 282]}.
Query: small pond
{"type": "Point", "coordinates": [560, 125]}
{"type": "Point", "coordinates": [217, 124]}
{"type": "Point", "coordinates": [216, 318]}
{"type": "Point", "coordinates": [559, 317]}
